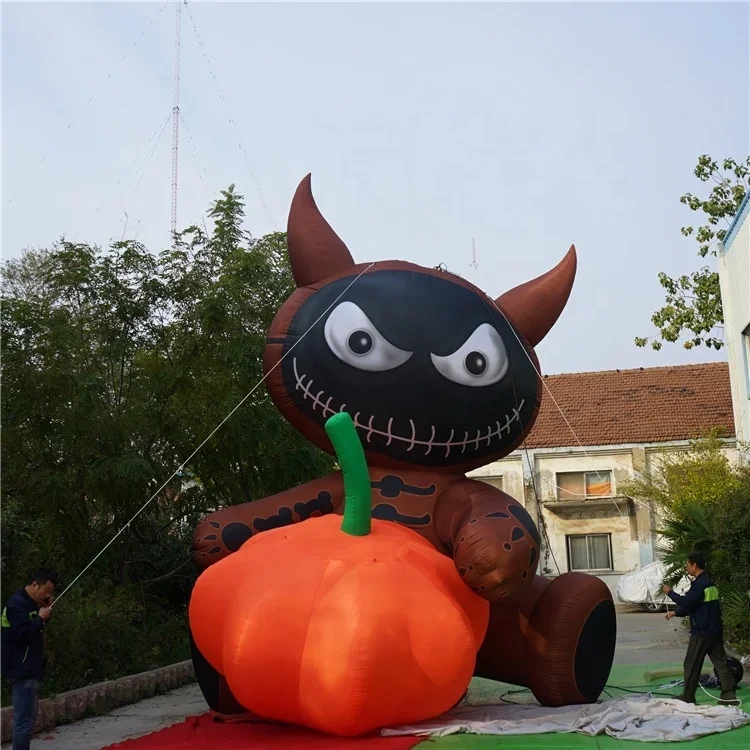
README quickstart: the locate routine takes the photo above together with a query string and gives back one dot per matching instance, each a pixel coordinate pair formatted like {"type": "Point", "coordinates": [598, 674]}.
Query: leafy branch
{"type": "Point", "coordinates": [693, 302]}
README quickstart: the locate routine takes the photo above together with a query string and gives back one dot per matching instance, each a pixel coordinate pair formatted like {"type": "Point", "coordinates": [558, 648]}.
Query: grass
{"type": "Point", "coordinates": [624, 676]}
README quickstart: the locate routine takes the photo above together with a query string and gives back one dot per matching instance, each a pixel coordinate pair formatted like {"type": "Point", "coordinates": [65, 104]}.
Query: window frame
{"type": "Point", "coordinates": [584, 472]}
{"type": "Point", "coordinates": [611, 567]}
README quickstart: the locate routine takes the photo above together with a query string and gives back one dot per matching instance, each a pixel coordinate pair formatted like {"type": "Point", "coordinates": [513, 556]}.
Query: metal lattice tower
{"type": "Point", "coordinates": [474, 263]}
{"type": "Point", "coordinates": [176, 119]}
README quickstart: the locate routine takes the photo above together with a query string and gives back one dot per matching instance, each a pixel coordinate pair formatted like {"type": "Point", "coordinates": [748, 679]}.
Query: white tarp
{"type": "Point", "coordinates": [639, 718]}
{"type": "Point", "coordinates": [643, 586]}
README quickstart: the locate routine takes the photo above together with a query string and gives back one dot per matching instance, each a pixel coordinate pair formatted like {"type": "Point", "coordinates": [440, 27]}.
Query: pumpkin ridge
{"type": "Point", "coordinates": [324, 587]}
{"type": "Point", "coordinates": [463, 616]}
{"type": "Point", "coordinates": [405, 713]}
{"type": "Point", "coordinates": [301, 660]}
{"type": "Point", "coordinates": [397, 716]}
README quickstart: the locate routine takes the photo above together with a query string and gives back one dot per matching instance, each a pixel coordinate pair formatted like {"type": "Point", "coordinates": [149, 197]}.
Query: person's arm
{"type": "Point", "coordinates": [676, 598]}
{"type": "Point", "coordinates": [687, 604]}
{"type": "Point", "coordinates": [22, 627]}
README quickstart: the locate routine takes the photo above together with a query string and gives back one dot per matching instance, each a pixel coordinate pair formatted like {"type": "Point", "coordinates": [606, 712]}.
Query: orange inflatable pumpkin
{"type": "Point", "coordinates": [343, 627]}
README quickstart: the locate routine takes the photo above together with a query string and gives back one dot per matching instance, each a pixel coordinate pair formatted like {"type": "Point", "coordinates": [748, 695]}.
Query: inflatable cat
{"type": "Point", "coordinates": [439, 379]}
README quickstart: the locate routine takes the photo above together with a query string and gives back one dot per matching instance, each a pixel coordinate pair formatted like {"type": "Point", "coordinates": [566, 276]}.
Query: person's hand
{"type": "Point", "coordinates": [45, 612]}
{"type": "Point", "coordinates": [666, 589]}
{"type": "Point", "coordinates": [669, 615]}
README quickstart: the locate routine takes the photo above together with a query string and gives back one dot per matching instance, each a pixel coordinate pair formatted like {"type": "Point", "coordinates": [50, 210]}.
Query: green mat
{"type": "Point", "coordinates": [624, 676]}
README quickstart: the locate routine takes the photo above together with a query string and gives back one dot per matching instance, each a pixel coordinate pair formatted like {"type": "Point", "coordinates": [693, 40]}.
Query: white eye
{"type": "Point", "coordinates": [482, 360]}
{"type": "Point", "coordinates": [355, 340]}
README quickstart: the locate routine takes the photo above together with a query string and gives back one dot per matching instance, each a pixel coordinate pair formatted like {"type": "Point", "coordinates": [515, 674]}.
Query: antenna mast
{"type": "Point", "coordinates": [176, 119]}
{"type": "Point", "coordinates": [474, 263]}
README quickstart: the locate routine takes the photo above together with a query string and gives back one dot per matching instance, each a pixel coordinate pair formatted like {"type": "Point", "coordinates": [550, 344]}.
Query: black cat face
{"type": "Point", "coordinates": [431, 373]}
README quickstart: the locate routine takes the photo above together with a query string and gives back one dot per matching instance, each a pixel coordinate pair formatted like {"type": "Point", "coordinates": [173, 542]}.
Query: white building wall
{"type": "Point", "coordinates": [734, 278]}
{"type": "Point", "coordinates": [511, 470]}
{"type": "Point", "coordinates": [614, 518]}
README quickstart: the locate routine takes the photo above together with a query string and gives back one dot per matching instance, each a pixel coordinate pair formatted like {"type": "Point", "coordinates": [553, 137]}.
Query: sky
{"type": "Point", "coordinates": [525, 126]}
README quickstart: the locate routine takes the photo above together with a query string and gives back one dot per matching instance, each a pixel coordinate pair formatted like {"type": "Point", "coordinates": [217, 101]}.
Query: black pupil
{"type": "Point", "coordinates": [476, 363]}
{"type": "Point", "coordinates": [360, 342]}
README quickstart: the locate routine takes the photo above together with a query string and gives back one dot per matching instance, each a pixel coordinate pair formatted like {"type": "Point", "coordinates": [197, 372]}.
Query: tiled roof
{"type": "Point", "coordinates": [634, 406]}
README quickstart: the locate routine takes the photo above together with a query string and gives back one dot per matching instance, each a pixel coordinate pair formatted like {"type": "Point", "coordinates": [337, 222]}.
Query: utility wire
{"type": "Point", "coordinates": [213, 432]}
{"type": "Point", "coordinates": [31, 172]}
{"type": "Point", "coordinates": [147, 160]}
{"type": "Point", "coordinates": [255, 387]}
{"type": "Point", "coordinates": [194, 153]}
{"type": "Point", "coordinates": [554, 401]}
{"type": "Point", "coordinates": [557, 406]}
{"type": "Point", "coordinates": [532, 470]}
{"type": "Point", "coordinates": [229, 117]}
{"type": "Point", "coordinates": [151, 145]}
{"type": "Point", "coordinates": [639, 692]}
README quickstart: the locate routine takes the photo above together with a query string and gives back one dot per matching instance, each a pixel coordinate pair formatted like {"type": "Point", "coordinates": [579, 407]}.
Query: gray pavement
{"type": "Point", "coordinates": [642, 638]}
{"type": "Point", "coordinates": [645, 638]}
{"type": "Point", "coordinates": [123, 723]}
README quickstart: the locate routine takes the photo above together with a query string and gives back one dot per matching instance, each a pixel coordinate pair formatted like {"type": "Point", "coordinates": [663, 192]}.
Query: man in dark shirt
{"type": "Point", "coordinates": [23, 620]}
{"type": "Point", "coordinates": [701, 604]}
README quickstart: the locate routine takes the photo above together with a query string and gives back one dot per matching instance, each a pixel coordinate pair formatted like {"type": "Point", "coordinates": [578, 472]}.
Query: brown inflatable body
{"type": "Point", "coordinates": [439, 380]}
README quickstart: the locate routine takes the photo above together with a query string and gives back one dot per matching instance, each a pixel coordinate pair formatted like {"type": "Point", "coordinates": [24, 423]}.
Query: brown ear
{"type": "Point", "coordinates": [315, 250]}
{"type": "Point", "coordinates": [535, 306]}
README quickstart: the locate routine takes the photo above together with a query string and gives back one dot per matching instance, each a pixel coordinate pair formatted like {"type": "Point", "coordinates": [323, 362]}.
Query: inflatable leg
{"type": "Point", "coordinates": [559, 640]}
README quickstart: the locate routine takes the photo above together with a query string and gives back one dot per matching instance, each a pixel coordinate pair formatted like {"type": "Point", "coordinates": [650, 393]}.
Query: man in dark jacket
{"type": "Point", "coordinates": [23, 620]}
{"type": "Point", "coordinates": [701, 604]}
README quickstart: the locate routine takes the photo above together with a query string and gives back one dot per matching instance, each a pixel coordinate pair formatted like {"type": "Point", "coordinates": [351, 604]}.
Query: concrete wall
{"type": "Point", "coordinates": [511, 470]}
{"type": "Point", "coordinates": [734, 278]}
{"type": "Point", "coordinates": [612, 519]}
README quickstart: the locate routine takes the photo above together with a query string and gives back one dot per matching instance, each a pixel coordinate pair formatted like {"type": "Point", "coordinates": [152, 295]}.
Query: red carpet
{"type": "Point", "coordinates": [202, 733]}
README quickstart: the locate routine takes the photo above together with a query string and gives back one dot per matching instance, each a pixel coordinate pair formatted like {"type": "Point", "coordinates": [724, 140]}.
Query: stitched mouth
{"type": "Point", "coordinates": [484, 436]}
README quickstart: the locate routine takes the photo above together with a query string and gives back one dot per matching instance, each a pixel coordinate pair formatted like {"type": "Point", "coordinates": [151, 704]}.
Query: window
{"type": "Point", "coordinates": [493, 481]}
{"type": "Point", "coordinates": [589, 552]}
{"type": "Point", "coordinates": [580, 485]}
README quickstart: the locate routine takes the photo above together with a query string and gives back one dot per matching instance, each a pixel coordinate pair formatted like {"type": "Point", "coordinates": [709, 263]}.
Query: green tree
{"type": "Point", "coordinates": [704, 505]}
{"type": "Point", "coordinates": [730, 559]}
{"type": "Point", "coordinates": [692, 306]}
{"type": "Point", "coordinates": [701, 475]}
{"type": "Point", "coordinates": [117, 364]}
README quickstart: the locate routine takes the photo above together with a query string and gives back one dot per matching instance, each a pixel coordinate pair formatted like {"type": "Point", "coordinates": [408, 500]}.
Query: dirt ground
{"type": "Point", "coordinates": [642, 638]}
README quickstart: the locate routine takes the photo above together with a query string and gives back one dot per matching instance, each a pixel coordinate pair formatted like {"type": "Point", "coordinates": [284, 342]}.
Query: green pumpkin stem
{"type": "Point", "coordinates": [351, 457]}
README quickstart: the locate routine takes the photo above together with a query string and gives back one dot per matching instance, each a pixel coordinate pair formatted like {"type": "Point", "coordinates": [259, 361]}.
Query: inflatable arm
{"type": "Point", "coordinates": [494, 542]}
{"type": "Point", "coordinates": [226, 530]}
